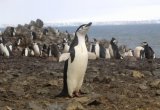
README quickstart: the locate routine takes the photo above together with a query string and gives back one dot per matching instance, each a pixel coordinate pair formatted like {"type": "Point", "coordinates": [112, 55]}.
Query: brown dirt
{"type": "Point", "coordinates": [30, 83]}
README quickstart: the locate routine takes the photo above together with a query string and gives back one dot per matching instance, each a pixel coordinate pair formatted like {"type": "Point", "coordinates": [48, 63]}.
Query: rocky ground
{"type": "Point", "coordinates": [30, 83]}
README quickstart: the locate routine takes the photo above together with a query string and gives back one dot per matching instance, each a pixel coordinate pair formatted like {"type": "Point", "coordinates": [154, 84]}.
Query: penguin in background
{"type": "Point", "coordinates": [25, 52]}
{"type": "Point", "coordinates": [45, 31]}
{"type": "Point", "coordinates": [37, 49]}
{"type": "Point", "coordinates": [4, 49]}
{"type": "Point", "coordinates": [53, 51]}
{"type": "Point", "coordinates": [148, 51]}
{"type": "Point", "coordinates": [139, 52]}
{"type": "Point", "coordinates": [65, 45]}
{"type": "Point", "coordinates": [1, 39]}
{"type": "Point", "coordinates": [18, 41]}
{"type": "Point", "coordinates": [95, 48]}
{"type": "Point", "coordinates": [76, 61]}
{"type": "Point", "coordinates": [113, 49]}
{"type": "Point", "coordinates": [12, 31]}
{"type": "Point", "coordinates": [33, 35]}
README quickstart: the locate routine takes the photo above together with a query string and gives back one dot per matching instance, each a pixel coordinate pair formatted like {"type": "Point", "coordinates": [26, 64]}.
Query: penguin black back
{"type": "Point", "coordinates": [71, 49]}
{"type": "Point", "coordinates": [116, 53]}
{"type": "Point", "coordinates": [148, 51]}
{"type": "Point", "coordinates": [102, 51]}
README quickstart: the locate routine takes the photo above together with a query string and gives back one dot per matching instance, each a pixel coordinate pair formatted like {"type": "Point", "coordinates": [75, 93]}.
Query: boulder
{"type": "Point", "coordinates": [39, 23]}
{"type": "Point", "coordinates": [137, 74]}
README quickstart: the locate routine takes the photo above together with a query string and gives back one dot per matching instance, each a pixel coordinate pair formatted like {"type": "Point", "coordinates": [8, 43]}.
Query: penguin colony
{"type": "Point", "coordinates": [74, 52]}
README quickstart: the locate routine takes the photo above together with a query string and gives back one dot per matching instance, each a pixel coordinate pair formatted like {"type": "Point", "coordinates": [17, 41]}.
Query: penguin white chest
{"type": "Point", "coordinates": [36, 50]}
{"type": "Point", "coordinates": [111, 51]}
{"type": "Point", "coordinates": [97, 50]}
{"type": "Point", "coordinates": [4, 50]}
{"type": "Point", "coordinates": [66, 48]}
{"type": "Point", "coordinates": [77, 68]}
{"type": "Point", "coordinates": [137, 51]}
{"type": "Point", "coordinates": [26, 52]}
{"type": "Point", "coordinates": [108, 56]}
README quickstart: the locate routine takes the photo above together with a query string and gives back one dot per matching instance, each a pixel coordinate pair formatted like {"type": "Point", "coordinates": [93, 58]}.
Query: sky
{"type": "Point", "coordinates": [50, 11]}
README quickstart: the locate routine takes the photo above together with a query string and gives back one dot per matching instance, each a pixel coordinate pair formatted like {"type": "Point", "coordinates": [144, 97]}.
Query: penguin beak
{"type": "Point", "coordinates": [89, 24]}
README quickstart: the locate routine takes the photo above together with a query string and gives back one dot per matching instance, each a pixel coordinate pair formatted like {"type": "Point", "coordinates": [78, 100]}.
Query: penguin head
{"type": "Point", "coordinates": [144, 44]}
{"type": "Point", "coordinates": [83, 29]}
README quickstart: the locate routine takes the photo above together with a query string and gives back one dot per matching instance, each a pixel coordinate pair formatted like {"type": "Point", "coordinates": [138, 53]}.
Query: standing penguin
{"type": "Point", "coordinates": [33, 35]}
{"type": "Point", "coordinates": [95, 48]}
{"type": "Point", "coordinates": [65, 45]}
{"type": "Point", "coordinates": [4, 50]}
{"type": "Point", "coordinates": [36, 48]}
{"type": "Point", "coordinates": [148, 51]}
{"type": "Point", "coordinates": [113, 49]}
{"type": "Point", "coordinates": [77, 56]}
{"type": "Point", "coordinates": [25, 52]}
{"type": "Point", "coordinates": [53, 51]}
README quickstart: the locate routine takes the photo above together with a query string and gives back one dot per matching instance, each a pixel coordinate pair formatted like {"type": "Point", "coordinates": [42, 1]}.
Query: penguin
{"type": "Point", "coordinates": [36, 49]}
{"type": "Point", "coordinates": [45, 31]}
{"type": "Point", "coordinates": [53, 51]}
{"type": "Point", "coordinates": [2, 39]}
{"type": "Point", "coordinates": [33, 35]}
{"type": "Point", "coordinates": [113, 49]}
{"type": "Point", "coordinates": [107, 54]}
{"type": "Point", "coordinates": [4, 50]}
{"type": "Point", "coordinates": [25, 52]}
{"type": "Point", "coordinates": [77, 56]}
{"type": "Point", "coordinates": [139, 52]}
{"type": "Point", "coordinates": [10, 47]}
{"type": "Point", "coordinates": [95, 48]}
{"type": "Point", "coordinates": [18, 41]}
{"type": "Point", "coordinates": [12, 31]}
{"type": "Point", "coordinates": [65, 45]}
{"type": "Point", "coordinates": [148, 51]}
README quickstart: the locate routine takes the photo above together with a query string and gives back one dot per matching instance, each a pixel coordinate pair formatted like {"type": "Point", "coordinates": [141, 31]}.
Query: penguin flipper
{"type": "Point", "coordinates": [64, 57]}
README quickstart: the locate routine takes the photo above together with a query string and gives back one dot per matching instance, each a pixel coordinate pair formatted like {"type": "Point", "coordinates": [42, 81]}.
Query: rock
{"type": "Point", "coordinates": [148, 73]}
{"type": "Point", "coordinates": [73, 105]}
{"type": "Point", "coordinates": [95, 103]}
{"type": "Point", "coordinates": [156, 72]}
{"type": "Point", "coordinates": [33, 106]}
{"type": "Point", "coordinates": [83, 99]}
{"type": "Point", "coordinates": [132, 65]}
{"type": "Point", "coordinates": [55, 107]}
{"type": "Point", "coordinates": [137, 74]}
{"type": "Point", "coordinates": [39, 23]}
{"type": "Point", "coordinates": [53, 83]}
{"type": "Point", "coordinates": [7, 108]}
{"type": "Point", "coordinates": [42, 91]}
{"type": "Point", "coordinates": [155, 83]}
{"type": "Point", "coordinates": [143, 87]}
{"type": "Point", "coordinates": [2, 90]}
{"type": "Point", "coordinates": [32, 23]}
{"type": "Point", "coordinates": [17, 90]}
{"type": "Point", "coordinates": [158, 92]}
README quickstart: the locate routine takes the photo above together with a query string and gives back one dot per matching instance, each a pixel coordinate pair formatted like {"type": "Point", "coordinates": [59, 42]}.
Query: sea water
{"type": "Point", "coordinates": [130, 35]}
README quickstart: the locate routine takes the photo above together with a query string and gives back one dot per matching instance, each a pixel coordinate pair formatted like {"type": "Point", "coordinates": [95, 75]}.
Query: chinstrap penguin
{"type": "Point", "coordinates": [113, 49]}
{"type": "Point", "coordinates": [75, 64]}
{"type": "Point", "coordinates": [148, 51]}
